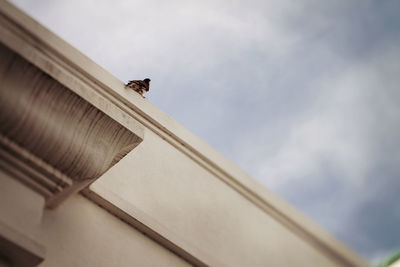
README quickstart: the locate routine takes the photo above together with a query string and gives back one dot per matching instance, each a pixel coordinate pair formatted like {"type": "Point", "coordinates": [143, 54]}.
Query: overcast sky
{"type": "Point", "coordinates": [303, 95]}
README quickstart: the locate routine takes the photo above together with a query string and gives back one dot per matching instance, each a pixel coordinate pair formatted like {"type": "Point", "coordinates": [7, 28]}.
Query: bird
{"type": "Point", "coordinates": [139, 86]}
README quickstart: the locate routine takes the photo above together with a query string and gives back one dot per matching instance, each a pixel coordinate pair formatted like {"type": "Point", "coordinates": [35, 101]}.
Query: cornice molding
{"type": "Point", "coordinates": [52, 139]}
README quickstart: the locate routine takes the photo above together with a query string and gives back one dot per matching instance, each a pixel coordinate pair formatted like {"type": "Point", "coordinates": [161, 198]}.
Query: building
{"type": "Point", "coordinates": [92, 174]}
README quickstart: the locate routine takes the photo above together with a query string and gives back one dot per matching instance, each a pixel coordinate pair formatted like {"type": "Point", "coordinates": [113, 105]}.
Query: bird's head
{"type": "Point", "coordinates": [147, 81]}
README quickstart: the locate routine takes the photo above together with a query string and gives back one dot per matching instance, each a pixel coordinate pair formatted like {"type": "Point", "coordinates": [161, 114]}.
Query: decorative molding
{"type": "Point", "coordinates": [155, 230]}
{"type": "Point", "coordinates": [50, 138]}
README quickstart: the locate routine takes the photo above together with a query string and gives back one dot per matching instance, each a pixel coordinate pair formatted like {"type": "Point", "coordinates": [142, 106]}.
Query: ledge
{"type": "Point", "coordinates": [51, 139]}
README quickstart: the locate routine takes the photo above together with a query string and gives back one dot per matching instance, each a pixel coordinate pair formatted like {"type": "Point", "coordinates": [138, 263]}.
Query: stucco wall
{"type": "Point", "coordinates": [77, 233]}
{"type": "Point", "coordinates": [200, 208]}
{"type": "Point", "coordinates": [80, 233]}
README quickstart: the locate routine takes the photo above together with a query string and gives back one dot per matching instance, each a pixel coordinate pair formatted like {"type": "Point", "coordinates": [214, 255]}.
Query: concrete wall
{"type": "Point", "coordinates": [165, 199]}
{"type": "Point", "coordinates": [78, 232]}
{"type": "Point", "coordinates": [202, 210]}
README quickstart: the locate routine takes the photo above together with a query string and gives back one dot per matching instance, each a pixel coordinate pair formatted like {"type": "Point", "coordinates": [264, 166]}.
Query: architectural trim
{"type": "Point", "coordinates": [149, 226]}
{"type": "Point", "coordinates": [52, 139]}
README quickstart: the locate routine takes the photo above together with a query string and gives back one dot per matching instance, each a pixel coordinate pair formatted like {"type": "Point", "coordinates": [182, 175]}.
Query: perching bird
{"type": "Point", "coordinates": [139, 86]}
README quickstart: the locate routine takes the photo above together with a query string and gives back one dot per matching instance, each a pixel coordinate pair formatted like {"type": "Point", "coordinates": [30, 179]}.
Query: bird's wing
{"type": "Point", "coordinates": [132, 82]}
{"type": "Point", "coordinates": [136, 82]}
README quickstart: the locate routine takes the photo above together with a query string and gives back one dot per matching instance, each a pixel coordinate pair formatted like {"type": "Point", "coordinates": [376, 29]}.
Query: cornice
{"type": "Point", "coordinates": [52, 139]}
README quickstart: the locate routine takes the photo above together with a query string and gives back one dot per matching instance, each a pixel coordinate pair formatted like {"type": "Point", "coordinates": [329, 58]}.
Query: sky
{"type": "Point", "coordinates": [303, 95]}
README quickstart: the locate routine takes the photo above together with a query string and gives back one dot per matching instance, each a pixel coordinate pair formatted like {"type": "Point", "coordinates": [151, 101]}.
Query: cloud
{"type": "Point", "coordinates": [339, 160]}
